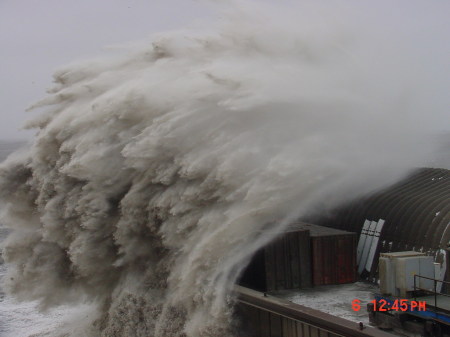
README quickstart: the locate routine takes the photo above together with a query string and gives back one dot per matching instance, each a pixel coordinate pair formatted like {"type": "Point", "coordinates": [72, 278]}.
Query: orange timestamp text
{"type": "Point", "coordinates": [395, 305]}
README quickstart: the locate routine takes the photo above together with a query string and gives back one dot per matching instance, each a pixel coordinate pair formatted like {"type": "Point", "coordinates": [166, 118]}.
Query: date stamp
{"type": "Point", "coordinates": [394, 305]}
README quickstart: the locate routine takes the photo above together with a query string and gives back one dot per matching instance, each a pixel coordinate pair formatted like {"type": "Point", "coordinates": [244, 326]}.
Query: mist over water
{"type": "Point", "coordinates": [156, 174]}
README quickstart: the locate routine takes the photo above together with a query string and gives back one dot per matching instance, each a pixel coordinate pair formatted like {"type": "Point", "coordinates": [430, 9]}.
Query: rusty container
{"type": "Point", "coordinates": [333, 258]}
{"type": "Point", "coordinates": [304, 255]}
{"type": "Point", "coordinates": [333, 254]}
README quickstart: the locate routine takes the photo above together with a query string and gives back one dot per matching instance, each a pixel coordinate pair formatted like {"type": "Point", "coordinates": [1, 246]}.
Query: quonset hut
{"type": "Point", "coordinates": [413, 214]}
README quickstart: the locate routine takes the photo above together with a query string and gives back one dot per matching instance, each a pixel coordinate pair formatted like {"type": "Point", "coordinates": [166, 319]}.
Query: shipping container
{"type": "Point", "coordinates": [303, 256]}
{"type": "Point", "coordinates": [288, 262]}
{"type": "Point", "coordinates": [333, 254]}
{"type": "Point", "coordinates": [283, 264]}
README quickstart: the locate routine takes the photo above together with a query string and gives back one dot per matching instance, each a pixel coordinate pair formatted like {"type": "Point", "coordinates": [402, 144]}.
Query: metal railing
{"type": "Point", "coordinates": [434, 292]}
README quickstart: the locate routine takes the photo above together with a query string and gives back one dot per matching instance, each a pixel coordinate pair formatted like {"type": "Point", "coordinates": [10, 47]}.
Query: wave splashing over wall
{"type": "Point", "coordinates": [154, 176]}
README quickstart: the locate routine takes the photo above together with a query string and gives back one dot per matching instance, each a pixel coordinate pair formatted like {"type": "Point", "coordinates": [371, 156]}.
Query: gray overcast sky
{"type": "Point", "coordinates": [37, 36]}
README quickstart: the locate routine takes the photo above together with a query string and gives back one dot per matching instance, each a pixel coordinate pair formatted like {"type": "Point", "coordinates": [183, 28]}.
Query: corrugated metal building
{"type": "Point", "coordinates": [413, 214]}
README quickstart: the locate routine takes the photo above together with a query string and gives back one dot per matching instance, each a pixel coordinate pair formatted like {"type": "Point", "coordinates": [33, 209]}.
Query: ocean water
{"type": "Point", "coordinates": [156, 174]}
{"type": "Point", "coordinates": [26, 318]}
{"type": "Point", "coordinates": [21, 319]}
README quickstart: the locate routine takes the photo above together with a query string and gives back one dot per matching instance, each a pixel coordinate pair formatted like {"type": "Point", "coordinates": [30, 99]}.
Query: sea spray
{"type": "Point", "coordinates": [155, 175]}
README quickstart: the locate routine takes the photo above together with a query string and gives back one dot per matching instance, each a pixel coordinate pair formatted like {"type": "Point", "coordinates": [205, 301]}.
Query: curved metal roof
{"type": "Point", "coordinates": [416, 212]}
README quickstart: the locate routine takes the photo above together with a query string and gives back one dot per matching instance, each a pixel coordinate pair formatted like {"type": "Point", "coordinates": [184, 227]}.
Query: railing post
{"type": "Point", "coordinates": [435, 295]}
{"type": "Point", "coordinates": [415, 295]}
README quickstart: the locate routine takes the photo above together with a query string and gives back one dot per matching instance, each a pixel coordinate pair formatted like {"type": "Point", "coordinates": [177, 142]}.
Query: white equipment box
{"type": "Point", "coordinates": [397, 270]}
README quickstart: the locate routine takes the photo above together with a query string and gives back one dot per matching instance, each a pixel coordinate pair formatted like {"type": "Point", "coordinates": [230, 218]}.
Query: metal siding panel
{"type": "Point", "coordinates": [418, 198]}
{"type": "Point", "coordinates": [441, 224]}
{"type": "Point", "coordinates": [323, 258]}
{"type": "Point", "coordinates": [321, 261]}
{"type": "Point", "coordinates": [284, 327]}
{"type": "Point", "coordinates": [442, 219]}
{"type": "Point", "coordinates": [293, 328]}
{"type": "Point", "coordinates": [367, 246]}
{"type": "Point", "coordinates": [264, 320]}
{"type": "Point", "coordinates": [314, 332]}
{"type": "Point", "coordinates": [353, 256]}
{"type": "Point", "coordinates": [250, 320]}
{"type": "Point", "coordinates": [288, 327]}
{"type": "Point", "coordinates": [276, 329]}
{"type": "Point", "coordinates": [346, 259]}
{"type": "Point", "coordinates": [342, 261]}
{"type": "Point", "coordinates": [294, 259]}
{"type": "Point", "coordinates": [299, 326]}
{"type": "Point", "coordinates": [305, 253]}
{"type": "Point", "coordinates": [317, 262]}
{"type": "Point", "coordinates": [269, 256]}
{"type": "Point", "coordinates": [255, 317]}
{"type": "Point", "coordinates": [331, 261]}
{"type": "Point", "coordinates": [328, 260]}
{"type": "Point", "coordinates": [306, 330]}
{"type": "Point", "coordinates": [374, 247]}
{"type": "Point", "coordinates": [323, 333]}
{"type": "Point", "coordinates": [287, 262]}
{"type": "Point", "coordinates": [425, 212]}
{"type": "Point", "coordinates": [334, 259]}
{"type": "Point", "coordinates": [390, 201]}
{"type": "Point", "coordinates": [349, 243]}
{"type": "Point", "coordinates": [362, 238]}
{"type": "Point", "coordinates": [279, 265]}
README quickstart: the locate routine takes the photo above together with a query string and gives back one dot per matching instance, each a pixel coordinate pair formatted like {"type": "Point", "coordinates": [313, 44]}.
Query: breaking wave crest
{"type": "Point", "coordinates": [156, 174]}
